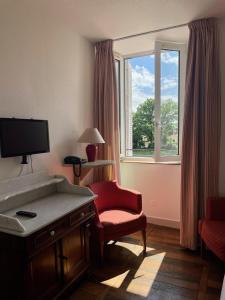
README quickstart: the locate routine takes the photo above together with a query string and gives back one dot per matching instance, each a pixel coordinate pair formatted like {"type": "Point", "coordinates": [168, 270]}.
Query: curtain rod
{"type": "Point", "coordinates": [149, 32]}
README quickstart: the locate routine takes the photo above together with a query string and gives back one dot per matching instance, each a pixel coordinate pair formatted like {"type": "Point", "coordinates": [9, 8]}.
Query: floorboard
{"type": "Point", "coordinates": [166, 272]}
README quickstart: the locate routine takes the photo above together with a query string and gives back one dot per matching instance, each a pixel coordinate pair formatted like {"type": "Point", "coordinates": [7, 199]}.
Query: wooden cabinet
{"type": "Point", "coordinates": [45, 273]}
{"type": "Point", "coordinates": [73, 253]}
{"type": "Point", "coordinates": [45, 264]}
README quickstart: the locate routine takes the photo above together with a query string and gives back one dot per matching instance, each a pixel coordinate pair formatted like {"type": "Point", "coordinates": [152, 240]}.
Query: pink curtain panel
{"type": "Point", "coordinates": [201, 128]}
{"type": "Point", "coordinates": [106, 112]}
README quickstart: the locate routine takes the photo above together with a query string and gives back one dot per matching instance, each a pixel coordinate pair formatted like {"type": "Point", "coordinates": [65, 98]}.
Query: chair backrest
{"type": "Point", "coordinates": [107, 192]}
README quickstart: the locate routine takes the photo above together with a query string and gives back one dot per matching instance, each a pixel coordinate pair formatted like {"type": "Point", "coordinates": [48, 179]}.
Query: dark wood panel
{"type": "Point", "coordinates": [11, 284]}
{"type": "Point", "coordinates": [81, 214]}
{"type": "Point", "coordinates": [73, 252]}
{"type": "Point", "coordinates": [45, 272]}
{"type": "Point", "coordinates": [50, 234]}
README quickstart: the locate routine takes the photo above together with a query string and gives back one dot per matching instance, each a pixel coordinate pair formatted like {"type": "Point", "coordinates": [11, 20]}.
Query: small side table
{"type": "Point", "coordinates": [87, 167]}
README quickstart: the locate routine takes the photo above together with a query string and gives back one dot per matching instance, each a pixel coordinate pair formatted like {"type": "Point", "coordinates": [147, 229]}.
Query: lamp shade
{"type": "Point", "coordinates": [91, 136]}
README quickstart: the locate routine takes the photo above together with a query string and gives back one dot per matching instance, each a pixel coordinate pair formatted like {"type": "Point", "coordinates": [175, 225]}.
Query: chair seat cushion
{"type": "Point", "coordinates": [213, 234]}
{"type": "Point", "coordinates": [116, 223]}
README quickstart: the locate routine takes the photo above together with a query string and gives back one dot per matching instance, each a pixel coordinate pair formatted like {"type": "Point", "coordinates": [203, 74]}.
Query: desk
{"type": "Point", "coordinates": [87, 167]}
{"type": "Point", "coordinates": [42, 257]}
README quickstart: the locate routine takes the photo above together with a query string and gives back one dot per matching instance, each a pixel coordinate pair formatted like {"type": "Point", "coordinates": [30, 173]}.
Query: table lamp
{"type": "Point", "coordinates": [91, 136]}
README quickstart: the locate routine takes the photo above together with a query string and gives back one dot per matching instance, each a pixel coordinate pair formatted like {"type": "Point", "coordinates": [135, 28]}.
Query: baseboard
{"type": "Point", "coordinates": [164, 222]}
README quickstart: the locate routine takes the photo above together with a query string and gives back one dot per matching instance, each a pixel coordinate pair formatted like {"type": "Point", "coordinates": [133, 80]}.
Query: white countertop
{"type": "Point", "coordinates": [48, 209]}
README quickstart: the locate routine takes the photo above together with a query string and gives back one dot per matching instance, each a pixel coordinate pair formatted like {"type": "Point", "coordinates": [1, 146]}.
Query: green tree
{"type": "Point", "coordinates": [169, 124]}
{"type": "Point", "coordinates": [144, 124]}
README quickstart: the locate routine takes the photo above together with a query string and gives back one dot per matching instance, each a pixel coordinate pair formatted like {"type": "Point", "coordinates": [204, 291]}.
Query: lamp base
{"type": "Point", "coordinates": [91, 151]}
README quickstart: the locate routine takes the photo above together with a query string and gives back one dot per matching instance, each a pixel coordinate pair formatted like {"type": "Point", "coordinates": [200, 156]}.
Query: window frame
{"type": "Point", "coordinates": [121, 103]}
{"type": "Point", "coordinates": [159, 45]}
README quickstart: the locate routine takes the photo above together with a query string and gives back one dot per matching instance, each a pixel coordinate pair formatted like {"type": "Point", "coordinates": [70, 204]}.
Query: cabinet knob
{"type": "Point", "coordinates": [82, 214]}
{"type": "Point", "coordinates": [52, 233]}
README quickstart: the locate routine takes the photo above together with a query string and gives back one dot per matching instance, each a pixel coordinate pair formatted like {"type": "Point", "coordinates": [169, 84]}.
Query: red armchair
{"type": "Point", "coordinates": [212, 228]}
{"type": "Point", "coordinates": [118, 212]}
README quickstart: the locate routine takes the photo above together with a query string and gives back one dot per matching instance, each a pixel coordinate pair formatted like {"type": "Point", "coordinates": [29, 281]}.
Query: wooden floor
{"type": "Point", "coordinates": [167, 272]}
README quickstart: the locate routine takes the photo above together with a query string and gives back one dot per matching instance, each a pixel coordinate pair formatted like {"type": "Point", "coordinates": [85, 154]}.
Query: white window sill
{"type": "Point", "coordinates": [148, 161]}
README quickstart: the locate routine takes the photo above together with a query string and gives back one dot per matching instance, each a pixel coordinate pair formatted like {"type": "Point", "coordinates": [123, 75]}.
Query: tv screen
{"type": "Point", "coordinates": [19, 137]}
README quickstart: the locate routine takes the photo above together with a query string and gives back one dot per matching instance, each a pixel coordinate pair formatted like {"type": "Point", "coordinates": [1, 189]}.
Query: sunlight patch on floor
{"type": "Point", "coordinates": [138, 288]}
{"type": "Point", "coordinates": [116, 281]}
{"type": "Point", "coordinates": [143, 280]}
{"type": "Point", "coordinates": [134, 248]}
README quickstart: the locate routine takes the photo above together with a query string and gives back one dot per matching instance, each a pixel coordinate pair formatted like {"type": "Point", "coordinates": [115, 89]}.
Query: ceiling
{"type": "Point", "coordinates": [102, 19]}
{"type": "Point", "coordinates": [111, 19]}
{"type": "Point", "coordinates": [146, 43]}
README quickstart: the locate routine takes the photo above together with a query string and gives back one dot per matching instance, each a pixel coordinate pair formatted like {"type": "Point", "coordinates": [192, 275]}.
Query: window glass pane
{"type": "Point", "coordinates": [169, 117]}
{"type": "Point", "coordinates": [140, 102]}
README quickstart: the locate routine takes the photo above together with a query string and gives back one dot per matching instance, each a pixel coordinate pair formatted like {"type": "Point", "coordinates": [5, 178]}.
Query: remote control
{"type": "Point", "coordinates": [28, 214]}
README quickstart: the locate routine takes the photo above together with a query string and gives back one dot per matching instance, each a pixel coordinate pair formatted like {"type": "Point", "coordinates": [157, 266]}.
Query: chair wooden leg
{"type": "Point", "coordinates": [102, 244]}
{"type": "Point", "coordinates": [143, 232]}
{"type": "Point", "coordinates": [203, 249]}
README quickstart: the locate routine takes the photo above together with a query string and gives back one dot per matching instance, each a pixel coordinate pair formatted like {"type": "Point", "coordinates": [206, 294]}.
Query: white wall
{"type": "Point", "coordinates": [222, 68]}
{"type": "Point", "coordinates": [160, 188]}
{"type": "Point", "coordinates": [45, 72]}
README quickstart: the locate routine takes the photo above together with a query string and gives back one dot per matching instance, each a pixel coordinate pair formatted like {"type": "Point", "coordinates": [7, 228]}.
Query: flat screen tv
{"type": "Point", "coordinates": [22, 137]}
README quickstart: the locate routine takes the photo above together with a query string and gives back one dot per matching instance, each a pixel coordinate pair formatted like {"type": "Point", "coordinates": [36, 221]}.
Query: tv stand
{"type": "Point", "coordinates": [24, 160]}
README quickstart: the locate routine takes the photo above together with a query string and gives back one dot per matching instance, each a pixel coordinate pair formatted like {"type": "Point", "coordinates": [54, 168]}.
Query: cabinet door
{"type": "Point", "coordinates": [74, 253]}
{"type": "Point", "coordinates": [45, 273]}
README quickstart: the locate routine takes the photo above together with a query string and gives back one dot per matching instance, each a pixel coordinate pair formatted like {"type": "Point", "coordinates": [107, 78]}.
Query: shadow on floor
{"type": "Point", "coordinates": [166, 272]}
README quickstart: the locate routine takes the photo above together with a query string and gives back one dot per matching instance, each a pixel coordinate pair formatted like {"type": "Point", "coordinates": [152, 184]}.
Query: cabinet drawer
{"type": "Point", "coordinates": [50, 233]}
{"type": "Point", "coordinates": [81, 214]}
{"type": "Point", "coordinates": [58, 229]}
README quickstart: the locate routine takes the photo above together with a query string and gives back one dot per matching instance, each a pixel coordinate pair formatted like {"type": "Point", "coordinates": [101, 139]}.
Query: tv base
{"type": "Point", "coordinates": [24, 160]}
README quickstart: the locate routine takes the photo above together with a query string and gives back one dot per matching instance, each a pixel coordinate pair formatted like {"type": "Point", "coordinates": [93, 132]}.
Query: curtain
{"type": "Point", "coordinates": [106, 110]}
{"type": "Point", "coordinates": [201, 128]}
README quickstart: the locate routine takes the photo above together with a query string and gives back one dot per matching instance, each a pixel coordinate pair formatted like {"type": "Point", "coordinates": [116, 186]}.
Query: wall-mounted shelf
{"type": "Point", "coordinates": [87, 167]}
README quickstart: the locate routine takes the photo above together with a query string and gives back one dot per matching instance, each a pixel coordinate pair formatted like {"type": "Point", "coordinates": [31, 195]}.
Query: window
{"type": "Point", "coordinates": [152, 103]}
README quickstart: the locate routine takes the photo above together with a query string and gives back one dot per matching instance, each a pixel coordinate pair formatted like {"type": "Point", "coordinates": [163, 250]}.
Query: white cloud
{"type": "Point", "coordinates": [142, 78]}
{"type": "Point", "coordinates": [143, 84]}
{"type": "Point", "coordinates": [167, 58]}
{"type": "Point", "coordinates": [168, 83]}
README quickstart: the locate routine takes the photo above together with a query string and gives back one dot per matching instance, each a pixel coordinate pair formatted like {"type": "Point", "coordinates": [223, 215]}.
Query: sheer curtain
{"type": "Point", "coordinates": [201, 129]}
{"type": "Point", "coordinates": [106, 109]}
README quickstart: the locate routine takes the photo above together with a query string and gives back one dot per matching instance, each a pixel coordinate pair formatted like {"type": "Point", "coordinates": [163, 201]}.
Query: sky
{"type": "Point", "coordinates": [143, 78]}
